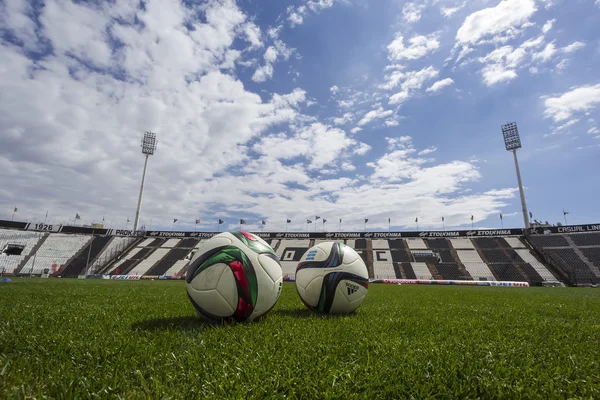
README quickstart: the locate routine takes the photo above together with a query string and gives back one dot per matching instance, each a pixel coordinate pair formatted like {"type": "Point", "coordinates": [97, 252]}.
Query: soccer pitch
{"type": "Point", "coordinates": [141, 339]}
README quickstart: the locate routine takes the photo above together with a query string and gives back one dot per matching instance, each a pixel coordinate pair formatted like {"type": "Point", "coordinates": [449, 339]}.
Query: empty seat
{"type": "Point", "coordinates": [462, 244]}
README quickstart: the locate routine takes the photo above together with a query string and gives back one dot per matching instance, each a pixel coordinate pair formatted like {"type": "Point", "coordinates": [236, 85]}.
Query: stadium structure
{"type": "Point", "coordinates": [565, 255]}
{"type": "Point", "coordinates": [533, 256]}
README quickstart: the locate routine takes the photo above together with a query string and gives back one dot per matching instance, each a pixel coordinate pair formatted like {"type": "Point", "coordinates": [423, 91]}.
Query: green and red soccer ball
{"type": "Point", "coordinates": [236, 276]}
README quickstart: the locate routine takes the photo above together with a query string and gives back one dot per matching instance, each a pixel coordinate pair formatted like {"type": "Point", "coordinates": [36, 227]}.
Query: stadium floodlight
{"type": "Point", "coordinates": [512, 141]}
{"type": "Point", "coordinates": [148, 147]}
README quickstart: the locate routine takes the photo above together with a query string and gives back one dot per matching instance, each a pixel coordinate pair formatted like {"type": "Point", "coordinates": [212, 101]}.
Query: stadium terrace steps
{"type": "Point", "coordinates": [416, 244]}
{"type": "Point", "coordinates": [171, 243]}
{"type": "Point", "coordinates": [78, 264]}
{"type": "Point", "coordinates": [568, 255]}
{"type": "Point", "coordinates": [179, 268]}
{"type": "Point", "coordinates": [462, 244]}
{"type": "Point", "coordinates": [58, 249]}
{"type": "Point", "coordinates": [117, 245]}
{"type": "Point", "coordinates": [422, 270]}
{"type": "Point", "coordinates": [11, 264]}
{"type": "Point", "coordinates": [542, 271]}
{"type": "Point", "coordinates": [153, 257]}
{"type": "Point", "coordinates": [169, 260]}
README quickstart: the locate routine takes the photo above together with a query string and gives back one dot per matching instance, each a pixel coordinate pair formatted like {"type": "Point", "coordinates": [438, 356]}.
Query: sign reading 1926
{"type": "Point", "coordinates": [43, 227]}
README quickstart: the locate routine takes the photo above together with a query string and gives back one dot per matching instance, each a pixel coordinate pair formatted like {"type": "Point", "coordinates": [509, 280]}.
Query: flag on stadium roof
{"type": "Point", "coordinates": [366, 220]}
{"type": "Point", "coordinates": [77, 216]}
{"type": "Point", "coordinates": [220, 221]}
{"type": "Point", "coordinates": [442, 218]}
{"type": "Point", "coordinates": [501, 216]}
{"type": "Point", "coordinates": [471, 218]}
{"type": "Point", "coordinates": [242, 221]}
{"type": "Point", "coordinates": [340, 220]}
{"type": "Point", "coordinates": [16, 209]}
{"type": "Point", "coordinates": [264, 222]}
{"type": "Point", "coordinates": [308, 221]}
{"type": "Point", "coordinates": [417, 219]}
{"type": "Point", "coordinates": [197, 221]}
{"type": "Point", "coordinates": [289, 220]}
{"type": "Point", "coordinates": [317, 217]}
{"type": "Point", "coordinates": [324, 220]}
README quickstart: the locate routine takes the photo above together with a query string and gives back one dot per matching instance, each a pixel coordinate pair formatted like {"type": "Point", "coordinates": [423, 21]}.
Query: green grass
{"type": "Point", "coordinates": [88, 338]}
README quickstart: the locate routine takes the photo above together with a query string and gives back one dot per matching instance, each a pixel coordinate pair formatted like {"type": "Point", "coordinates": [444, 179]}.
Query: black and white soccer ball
{"type": "Point", "coordinates": [234, 276]}
{"type": "Point", "coordinates": [332, 278]}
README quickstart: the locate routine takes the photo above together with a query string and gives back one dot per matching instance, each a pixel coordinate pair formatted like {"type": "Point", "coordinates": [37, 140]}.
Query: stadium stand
{"type": "Point", "coordinates": [421, 270]}
{"type": "Point", "coordinates": [56, 250]}
{"type": "Point", "coordinates": [573, 257]}
{"type": "Point", "coordinates": [290, 252]}
{"type": "Point", "coordinates": [177, 253]}
{"type": "Point", "coordinates": [416, 244]}
{"type": "Point", "coordinates": [85, 258]}
{"type": "Point", "coordinates": [115, 247]}
{"type": "Point", "coordinates": [473, 263]}
{"type": "Point", "coordinates": [23, 242]}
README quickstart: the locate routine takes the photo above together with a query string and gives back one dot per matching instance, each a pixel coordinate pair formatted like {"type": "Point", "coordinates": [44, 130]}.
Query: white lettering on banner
{"type": "Point", "coordinates": [343, 235]}
{"type": "Point", "coordinates": [294, 235]}
{"type": "Point", "coordinates": [442, 234]}
{"type": "Point", "coordinates": [496, 232]}
{"type": "Point", "coordinates": [172, 234]}
{"type": "Point", "coordinates": [386, 235]}
{"type": "Point", "coordinates": [581, 228]}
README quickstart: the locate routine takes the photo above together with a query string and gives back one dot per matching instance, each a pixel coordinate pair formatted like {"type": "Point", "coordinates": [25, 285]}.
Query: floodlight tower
{"type": "Point", "coordinates": [148, 146]}
{"type": "Point", "coordinates": [512, 141]}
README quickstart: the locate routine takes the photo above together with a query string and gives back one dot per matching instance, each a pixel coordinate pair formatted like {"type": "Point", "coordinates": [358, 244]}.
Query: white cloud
{"type": "Point", "coordinates": [344, 119]}
{"type": "Point", "coordinates": [263, 73]}
{"type": "Point", "coordinates": [450, 11]}
{"type": "Point", "coordinates": [373, 115]}
{"type": "Point", "coordinates": [594, 131]}
{"type": "Point", "coordinates": [296, 15]}
{"type": "Point", "coordinates": [428, 150]}
{"type": "Point", "coordinates": [409, 83]}
{"type": "Point", "coordinates": [505, 18]}
{"type": "Point", "coordinates": [495, 73]}
{"type": "Point", "coordinates": [355, 130]}
{"type": "Point", "coordinates": [548, 25]}
{"type": "Point", "coordinates": [334, 89]}
{"type": "Point", "coordinates": [274, 32]}
{"type": "Point", "coordinates": [546, 54]}
{"type": "Point", "coordinates": [576, 100]}
{"type": "Point", "coordinates": [320, 144]}
{"type": "Point", "coordinates": [573, 47]}
{"type": "Point", "coordinates": [419, 46]}
{"type": "Point", "coordinates": [501, 64]}
{"type": "Point", "coordinates": [411, 12]}
{"type": "Point", "coordinates": [439, 85]}
{"type": "Point", "coordinates": [392, 122]}
{"type": "Point", "coordinates": [253, 35]}
{"type": "Point", "coordinates": [278, 51]}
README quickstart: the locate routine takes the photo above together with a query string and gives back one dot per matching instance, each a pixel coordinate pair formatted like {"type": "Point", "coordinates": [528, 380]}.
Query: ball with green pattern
{"type": "Point", "coordinates": [234, 276]}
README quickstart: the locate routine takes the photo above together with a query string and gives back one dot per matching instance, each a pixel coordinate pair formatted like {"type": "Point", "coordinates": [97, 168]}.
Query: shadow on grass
{"type": "Point", "coordinates": [187, 323]}
{"type": "Point", "coordinates": [304, 313]}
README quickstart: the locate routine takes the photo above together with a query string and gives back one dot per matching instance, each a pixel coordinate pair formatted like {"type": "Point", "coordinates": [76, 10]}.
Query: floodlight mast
{"type": "Point", "coordinates": [512, 141]}
{"type": "Point", "coordinates": [148, 147]}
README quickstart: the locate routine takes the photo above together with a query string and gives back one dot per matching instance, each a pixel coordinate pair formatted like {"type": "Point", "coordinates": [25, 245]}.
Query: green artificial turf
{"type": "Point", "coordinates": [141, 339]}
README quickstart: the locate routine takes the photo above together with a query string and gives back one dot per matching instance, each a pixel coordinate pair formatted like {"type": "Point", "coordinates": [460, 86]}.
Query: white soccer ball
{"type": "Point", "coordinates": [331, 278]}
{"type": "Point", "coordinates": [234, 276]}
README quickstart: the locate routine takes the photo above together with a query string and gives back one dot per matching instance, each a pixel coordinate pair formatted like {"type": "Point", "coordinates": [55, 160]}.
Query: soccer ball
{"type": "Point", "coordinates": [332, 278]}
{"type": "Point", "coordinates": [234, 276]}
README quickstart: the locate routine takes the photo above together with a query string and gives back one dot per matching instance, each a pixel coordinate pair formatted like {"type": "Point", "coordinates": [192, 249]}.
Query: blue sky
{"type": "Point", "coordinates": [291, 109]}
